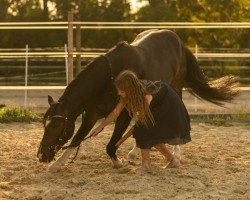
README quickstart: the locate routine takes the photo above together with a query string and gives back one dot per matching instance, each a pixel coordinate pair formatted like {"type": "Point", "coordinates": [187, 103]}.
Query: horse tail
{"type": "Point", "coordinates": [216, 91]}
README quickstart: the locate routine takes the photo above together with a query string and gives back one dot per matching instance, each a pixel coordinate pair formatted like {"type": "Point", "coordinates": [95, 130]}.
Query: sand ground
{"type": "Point", "coordinates": [215, 165]}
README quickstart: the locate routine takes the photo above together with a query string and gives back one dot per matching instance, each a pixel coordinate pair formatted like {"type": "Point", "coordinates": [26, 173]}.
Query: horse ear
{"type": "Point", "coordinates": [50, 100]}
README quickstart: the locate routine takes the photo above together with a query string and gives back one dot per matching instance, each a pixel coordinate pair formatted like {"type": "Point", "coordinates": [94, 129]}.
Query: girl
{"type": "Point", "coordinates": [160, 115]}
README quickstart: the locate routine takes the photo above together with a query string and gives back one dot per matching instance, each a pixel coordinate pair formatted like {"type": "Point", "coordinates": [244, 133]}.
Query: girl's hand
{"type": "Point", "coordinates": [125, 137]}
{"type": "Point", "coordinates": [96, 131]}
{"type": "Point", "coordinates": [118, 143]}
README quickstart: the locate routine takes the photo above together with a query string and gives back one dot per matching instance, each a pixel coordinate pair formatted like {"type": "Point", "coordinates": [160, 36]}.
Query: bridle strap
{"type": "Point", "coordinates": [65, 124]}
{"type": "Point", "coordinates": [110, 67]}
{"type": "Point", "coordinates": [54, 116]}
{"type": "Point", "coordinates": [73, 144]}
{"type": "Point", "coordinates": [57, 116]}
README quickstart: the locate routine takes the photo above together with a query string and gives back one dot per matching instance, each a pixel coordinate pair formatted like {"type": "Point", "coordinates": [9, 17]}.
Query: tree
{"type": "Point", "coordinates": [105, 10]}
{"type": "Point", "coordinates": [4, 5]}
{"type": "Point", "coordinates": [45, 10]}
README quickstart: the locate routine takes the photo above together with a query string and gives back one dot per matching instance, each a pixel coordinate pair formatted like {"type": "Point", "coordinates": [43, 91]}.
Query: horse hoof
{"type": "Point", "coordinates": [177, 155]}
{"type": "Point", "coordinates": [117, 163]}
{"type": "Point", "coordinates": [54, 168]}
{"type": "Point", "coordinates": [175, 163]}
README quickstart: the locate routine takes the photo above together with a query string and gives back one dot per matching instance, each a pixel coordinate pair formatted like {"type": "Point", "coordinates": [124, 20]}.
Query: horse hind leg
{"type": "Point", "coordinates": [177, 151]}
{"type": "Point", "coordinates": [133, 153]}
{"type": "Point", "coordinates": [178, 88]}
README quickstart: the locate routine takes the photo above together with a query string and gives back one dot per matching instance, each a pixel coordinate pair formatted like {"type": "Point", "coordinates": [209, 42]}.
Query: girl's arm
{"type": "Point", "coordinates": [111, 117]}
{"type": "Point", "coordinates": [125, 137]}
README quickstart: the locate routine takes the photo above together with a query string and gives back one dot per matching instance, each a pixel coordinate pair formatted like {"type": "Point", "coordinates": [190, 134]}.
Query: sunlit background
{"type": "Point", "coordinates": [51, 70]}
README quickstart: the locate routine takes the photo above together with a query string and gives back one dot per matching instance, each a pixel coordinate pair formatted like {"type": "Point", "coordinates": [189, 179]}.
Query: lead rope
{"type": "Point", "coordinates": [78, 147]}
{"type": "Point", "coordinates": [72, 161]}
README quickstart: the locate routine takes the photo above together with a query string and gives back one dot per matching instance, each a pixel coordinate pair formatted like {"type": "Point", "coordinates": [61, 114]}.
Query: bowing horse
{"type": "Point", "coordinates": [153, 55]}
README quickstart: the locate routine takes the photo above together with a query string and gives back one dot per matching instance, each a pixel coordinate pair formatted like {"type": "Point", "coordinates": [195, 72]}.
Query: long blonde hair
{"type": "Point", "coordinates": [135, 101]}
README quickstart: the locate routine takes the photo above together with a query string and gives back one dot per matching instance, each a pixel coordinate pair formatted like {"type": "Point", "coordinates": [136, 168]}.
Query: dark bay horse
{"type": "Point", "coordinates": [153, 55]}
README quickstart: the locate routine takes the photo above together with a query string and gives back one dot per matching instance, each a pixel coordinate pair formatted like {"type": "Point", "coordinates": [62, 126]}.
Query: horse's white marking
{"type": "Point", "coordinates": [56, 166]}
{"type": "Point", "coordinates": [117, 163]}
{"type": "Point", "coordinates": [40, 156]}
{"type": "Point", "coordinates": [177, 151]}
{"type": "Point", "coordinates": [133, 154]}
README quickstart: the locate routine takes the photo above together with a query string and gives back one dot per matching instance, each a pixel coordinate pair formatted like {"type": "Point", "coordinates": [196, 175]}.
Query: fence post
{"type": "Point", "coordinates": [195, 98]}
{"type": "Point", "coordinates": [70, 46]}
{"type": "Point", "coordinates": [26, 75]}
{"type": "Point", "coordinates": [78, 47]}
{"type": "Point", "coordinates": [66, 63]}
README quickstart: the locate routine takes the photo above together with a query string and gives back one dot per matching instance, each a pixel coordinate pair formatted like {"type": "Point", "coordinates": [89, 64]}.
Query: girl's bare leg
{"type": "Point", "coordinates": [174, 161]}
{"type": "Point", "coordinates": [146, 164]}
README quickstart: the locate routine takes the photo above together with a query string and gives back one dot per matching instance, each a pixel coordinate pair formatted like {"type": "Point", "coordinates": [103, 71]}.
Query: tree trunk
{"type": "Point", "coordinates": [45, 10]}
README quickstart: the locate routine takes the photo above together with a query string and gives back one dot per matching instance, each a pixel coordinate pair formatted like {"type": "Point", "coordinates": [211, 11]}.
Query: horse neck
{"type": "Point", "coordinates": [120, 60]}
{"type": "Point", "coordinates": [86, 86]}
{"type": "Point", "coordinates": [125, 57]}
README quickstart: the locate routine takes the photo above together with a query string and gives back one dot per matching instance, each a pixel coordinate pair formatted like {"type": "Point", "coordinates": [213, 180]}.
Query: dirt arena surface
{"type": "Point", "coordinates": [215, 165]}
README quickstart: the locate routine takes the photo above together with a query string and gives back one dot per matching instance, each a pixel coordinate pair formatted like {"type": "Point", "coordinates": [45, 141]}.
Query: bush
{"type": "Point", "coordinates": [242, 116]}
{"type": "Point", "coordinates": [17, 114]}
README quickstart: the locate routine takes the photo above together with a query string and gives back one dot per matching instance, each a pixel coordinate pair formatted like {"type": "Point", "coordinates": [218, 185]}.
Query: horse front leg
{"type": "Point", "coordinates": [57, 165]}
{"type": "Point", "coordinates": [87, 124]}
{"type": "Point", "coordinates": [121, 125]}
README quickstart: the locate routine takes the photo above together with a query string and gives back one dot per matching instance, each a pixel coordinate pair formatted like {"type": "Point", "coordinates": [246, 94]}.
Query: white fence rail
{"type": "Point", "coordinates": [109, 25]}
{"type": "Point", "coordinates": [123, 25]}
{"type": "Point", "coordinates": [95, 54]}
{"type": "Point", "coordinates": [60, 88]}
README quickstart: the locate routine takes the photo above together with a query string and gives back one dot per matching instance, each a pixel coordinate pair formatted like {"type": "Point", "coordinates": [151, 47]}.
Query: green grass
{"type": "Point", "coordinates": [224, 119]}
{"type": "Point", "coordinates": [218, 121]}
{"type": "Point", "coordinates": [20, 114]}
{"type": "Point", "coordinates": [17, 114]}
{"type": "Point", "coordinates": [242, 116]}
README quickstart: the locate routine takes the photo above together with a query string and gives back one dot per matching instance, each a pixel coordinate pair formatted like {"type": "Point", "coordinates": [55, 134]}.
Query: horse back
{"type": "Point", "coordinates": [161, 53]}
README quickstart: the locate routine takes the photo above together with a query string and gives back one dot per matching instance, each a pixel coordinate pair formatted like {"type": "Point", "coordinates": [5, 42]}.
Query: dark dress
{"type": "Point", "coordinates": [172, 122]}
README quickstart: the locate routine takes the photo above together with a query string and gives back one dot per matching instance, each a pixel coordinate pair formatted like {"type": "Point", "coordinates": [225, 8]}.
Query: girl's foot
{"type": "Point", "coordinates": [174, 163]}
{"type": "Point", "coordinates": [143, 169]}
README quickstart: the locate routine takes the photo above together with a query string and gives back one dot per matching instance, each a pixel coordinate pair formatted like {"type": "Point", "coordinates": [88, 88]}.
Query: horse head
{"type": "Point", "coordinates": [91, 89]}
{"type": "Point", "coordinates": [55, 130]}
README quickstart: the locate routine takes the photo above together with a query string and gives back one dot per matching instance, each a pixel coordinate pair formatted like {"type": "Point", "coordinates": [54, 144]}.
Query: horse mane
{"type": "Point", "coordinates": [121, 43]}
{"type": "Point", "coordinates": [118, 46]}
{"type": "Point", "coordinates": [77, 79]}
{"type": "Point", "coordinates": [88, 67]}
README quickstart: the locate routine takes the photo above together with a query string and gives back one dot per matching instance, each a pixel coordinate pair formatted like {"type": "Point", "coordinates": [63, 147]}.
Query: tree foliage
{"type": "Point", "coordinates": [119, 10]}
